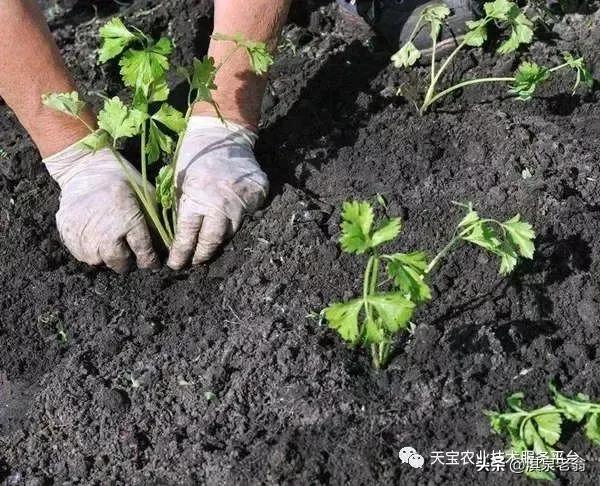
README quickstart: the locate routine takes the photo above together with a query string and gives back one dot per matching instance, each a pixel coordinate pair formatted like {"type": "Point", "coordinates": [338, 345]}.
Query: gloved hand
{"type": "Point", "coordinates": [218, 182]}
{"type": "Point", "coordinates": [99, 219]}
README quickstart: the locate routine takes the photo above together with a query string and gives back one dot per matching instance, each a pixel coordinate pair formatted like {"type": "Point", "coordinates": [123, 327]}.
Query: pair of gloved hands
{"type": "Point", "coordinates": [218, 182]}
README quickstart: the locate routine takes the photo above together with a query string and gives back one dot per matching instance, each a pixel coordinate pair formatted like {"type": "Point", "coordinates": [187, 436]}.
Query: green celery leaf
{"type": "Point", "coordinates": [373, 332]}
{"type": "Point", "coordinates": [157, 141]}
{"type": "Point", "coordinates": [141, 68]}
{"type": "Point", "coordinates": [140, 101]}
{"type": "Point", "coordinates": [592, 428]}
{"type": "Point", "coordinates": [343, 317]}
{"type": "Point", "coordinates": [497, 421]}
{"type": "Point", "coordinates": [115, 37]}
{"type": "Point", "coordinates": [68, 103]}
{"type": "Point", "coordinates": [482, 234]}
{"type": "Point", "coordinates": [406, 56]}
{"type": "Point", "coordinates": [388, 230]}
{"type": "Point", "coordinates": [158, 90]}
{"type": "Point", "coordinates": [258, 54]}
{"type": "Point", "coordinates": [118, 120]}
{"type": "Point", "coordinates": [96, 141]}
{"type": "Point", "coordinates": [393, 309]}
{"type": "Point", "coordinates": [357, 221]}
{"type": "Point", "coordinates": [521, 34]}
{"type": "Point", "coordinates": [549, 425]}
{"type": "Point", "coordinates": [527, 79]}
{"type": "Point", "coordinates": [515, 401]}
{"type": "Point", "coordinates": [170, 117]}
{"type": "Point", "coordinates": [163, 46]}
{"type": "Point", "coordinates": [435, 15]}
{"type": "Point", "coordinates": [408, 270]}
{"type": "Point", "coordinates": [583, 73]}
{"type": "Point", "coordinates": [165, 187]}
{"type": "Point", "coordinates": [477, 33]}
{"type": "Point", "coordinates": [471, 216]}
{"type": "Point", "coordinates": [575, 409]}
{"type": "Point", "coordinates": [532, 438]}
{"type": "Point", "coordinates": [521, 235]}
{"type": "Point", "coordinates": [508, 259]}
{"type": "Point", "coordinates": [518, 445]}
{"type": "Point", "coordinates": [260, 57]}
{"type": "Point", "coordinates": [203, 78]}
{"type": "Point", "coordinates": [498, 9]}
{"type": "Point", "coordinates": [521, 30]}
{"type": "Point", "coordinates": [184, 73]}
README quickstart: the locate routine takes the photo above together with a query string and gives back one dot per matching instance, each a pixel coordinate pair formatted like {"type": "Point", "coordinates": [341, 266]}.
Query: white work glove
{"type": "Point", "coordinates": [99, 219]}
{"type": "Point", "coordinates": [218, 182]}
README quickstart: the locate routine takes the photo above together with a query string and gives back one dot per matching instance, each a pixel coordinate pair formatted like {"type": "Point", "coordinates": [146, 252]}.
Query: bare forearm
{"type": "Point", "coordinates": [240, 91]}
{"type": "Point", "coordinates": [31, 66]}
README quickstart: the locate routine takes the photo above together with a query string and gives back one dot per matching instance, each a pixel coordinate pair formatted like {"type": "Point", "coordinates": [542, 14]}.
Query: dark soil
{"type": "Point", "coordinates": [218, 375]}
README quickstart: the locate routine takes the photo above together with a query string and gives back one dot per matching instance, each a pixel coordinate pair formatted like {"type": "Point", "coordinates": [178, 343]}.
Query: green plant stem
{"type": "Point", "coordinates": [188, 114]}
{"type": "Point", "coordinates": [379, 352]}
{"type": "Point", "coordinates": [144, 162]}
{"type": "Point", "coordinates": [436, 78]}
{"type": "Point", "coordinates": [148, 206]}
{"type": "Point", "coordinates": [453, 242]}
{"type": "Point", "coordinates": [146, 202]}
{"type": "Point", "coordinates": [433, 49]}
{"type": "Point", "coordinates": [415, 29]}
{"type": "Point", "coordinates": [226, 59]}
{"type": "Point", "coordinates": [165, 216]}
{"type": "Point", "coordinates": [367, 290]}
{"type": "Point", "coordinates": [384, 353]}
{"type": "Point", "coordinates": [559, 67]}
{"type": "Point", "coordinates": [367, 285]}
{"type": "Point", "coordinates": [374, 275]}
{"type": "Point", "coordinates": [457, 239]}
{"type": "Point", "coordinates": [462, 85]}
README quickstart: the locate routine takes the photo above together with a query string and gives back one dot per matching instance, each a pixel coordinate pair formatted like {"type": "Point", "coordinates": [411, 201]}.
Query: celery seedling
{"type": "Point", "coordinates": [144, 64]}
{"type": "Point", "coordinates": [540, 429]}
{"type": "Point", "coordinates": [506, 15]}
{"type": "Point", "coordinates": [377, 315]}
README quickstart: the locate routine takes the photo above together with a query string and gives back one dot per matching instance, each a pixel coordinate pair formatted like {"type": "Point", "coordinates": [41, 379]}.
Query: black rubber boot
{"type": "Point", "coordinates": [396, 19]}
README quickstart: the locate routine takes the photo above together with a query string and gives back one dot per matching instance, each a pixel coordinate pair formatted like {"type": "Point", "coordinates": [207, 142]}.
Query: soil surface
{"type": "Point", "coordinates": [218, 375]}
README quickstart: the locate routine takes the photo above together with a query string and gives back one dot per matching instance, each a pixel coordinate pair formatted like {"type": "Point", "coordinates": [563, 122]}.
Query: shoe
{"type": "Point", "coordinates": [396, 19]}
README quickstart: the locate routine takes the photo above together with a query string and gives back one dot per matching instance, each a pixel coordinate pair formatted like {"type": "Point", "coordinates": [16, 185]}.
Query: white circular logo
{"type": "Point", "coordinates": [410, 455]}
{"type": "Point", "coordinates": [405, 453]}
{"type": "Point", "coordinates": [416, 461]}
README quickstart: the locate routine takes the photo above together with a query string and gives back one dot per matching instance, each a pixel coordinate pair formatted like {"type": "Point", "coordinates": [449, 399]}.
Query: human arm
{"type": "Point", "coordinates": [218, 179]}
{"type": "Point", "coordinates": [99, 219]}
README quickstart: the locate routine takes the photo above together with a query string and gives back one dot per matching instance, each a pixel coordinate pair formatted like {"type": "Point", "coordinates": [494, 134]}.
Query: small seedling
{"type": "Point", "coordinates": [504, 14]}
{"type": "Point", "coordinates": [374, 318]}
{"type": "Point", "coordinates": [61, 334]}
{"type": "Point", "coordinates": [3, 154]}
{"type": "Point", "coordinates": [540, 429]}
{"type": "Point", "coordinates": [144, 64]}
{"type": "Point", "coordinates": [51, 322]}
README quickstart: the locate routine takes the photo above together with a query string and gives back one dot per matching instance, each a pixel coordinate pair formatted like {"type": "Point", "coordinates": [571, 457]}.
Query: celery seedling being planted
{"type": "Point", "coordinates": [144, 65]}
{"type": "Point", "coordinates": [509, 17]}
{"type": "Point", "coordinates": [539, 430]}
{"type": "Point", "coordinates": [374, 318]}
